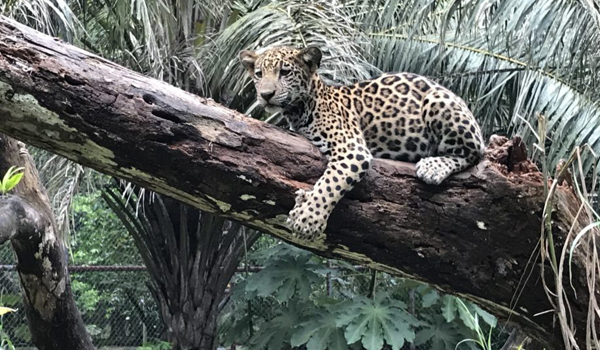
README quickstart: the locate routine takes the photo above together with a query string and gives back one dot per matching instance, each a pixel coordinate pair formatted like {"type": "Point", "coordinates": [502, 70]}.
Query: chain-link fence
{"type": "Point", "coordinates": [116, 305]}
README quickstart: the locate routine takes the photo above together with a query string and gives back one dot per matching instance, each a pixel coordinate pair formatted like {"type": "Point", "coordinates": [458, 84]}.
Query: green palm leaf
{"type": "Point", "coordinates": [317, 23]}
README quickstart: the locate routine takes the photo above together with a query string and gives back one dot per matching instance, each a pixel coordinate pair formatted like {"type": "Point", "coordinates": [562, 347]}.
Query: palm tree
{"type": "Point", "coordinates": [191, 256]}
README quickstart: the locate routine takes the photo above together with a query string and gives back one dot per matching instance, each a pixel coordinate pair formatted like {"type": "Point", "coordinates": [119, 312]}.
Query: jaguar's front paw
{"type": "Point", "coordinates": [305, 220]}
{"type": "Point", "coordinates": [431, 171]}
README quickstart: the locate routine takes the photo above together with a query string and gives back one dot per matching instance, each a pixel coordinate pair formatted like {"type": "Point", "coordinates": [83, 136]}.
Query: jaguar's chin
{"type": "Point", "coordinates": [272, 108]}
{"type": "Point", "coordinates": [269, 107]}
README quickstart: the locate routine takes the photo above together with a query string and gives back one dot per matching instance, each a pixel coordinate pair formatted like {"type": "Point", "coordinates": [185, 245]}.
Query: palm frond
{"type": "Point", "coordinates": [559, 37]}
{"type": "Point", "coordinates": [295, 23]}
{"type": "Point", "coordinates": [64, 179]}
{"type": "Point", "coordinates": [156, 37]}
{"type": "Point", "coordinates": [48, 16]}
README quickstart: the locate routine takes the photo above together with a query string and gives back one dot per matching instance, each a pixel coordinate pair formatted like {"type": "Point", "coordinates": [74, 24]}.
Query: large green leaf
{"type": "Point", "coordinates": [284, 278]}
{"type": "Point", "coordinates": [467, 312]}
{"type": "Point", "coordinates": [319, 332]}
{"type": "Point", "coordinates": [440, 335]}
{"type": "Point", "coordinates": [449, 308]}
{"type": "Point", "coordinates": [430, 298]}
{"type": "Point", "coordinates": [377, 321]}
{"type": "Point", "coordinates": [275, 334]}
{"type": "Point", "coordinates": [470, 314]}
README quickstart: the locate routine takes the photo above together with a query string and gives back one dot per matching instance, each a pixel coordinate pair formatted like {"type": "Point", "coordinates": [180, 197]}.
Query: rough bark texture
{"type": "Point", "coordinates": [27, 221]}
{"type": "Point", "coordinates": [471, 236]}
{"type": "Point", "coordinates": [191, 257]}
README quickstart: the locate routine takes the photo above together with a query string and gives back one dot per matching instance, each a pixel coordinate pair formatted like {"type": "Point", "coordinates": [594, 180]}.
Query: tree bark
{"type": "Point", "coordinates": [472, 236]}
{"type": "Point", "coordinates": [28, 222]}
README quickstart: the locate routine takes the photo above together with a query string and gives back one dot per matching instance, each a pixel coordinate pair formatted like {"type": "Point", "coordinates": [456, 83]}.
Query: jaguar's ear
{"type": "Point", "coordinates": [311, 56]}
{"type": "Point", "coordinates": [248, 58]}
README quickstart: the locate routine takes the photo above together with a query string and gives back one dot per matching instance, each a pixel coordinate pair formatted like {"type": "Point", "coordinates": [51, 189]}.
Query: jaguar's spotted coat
{"type": "Point", "coordinates": [400, 116]}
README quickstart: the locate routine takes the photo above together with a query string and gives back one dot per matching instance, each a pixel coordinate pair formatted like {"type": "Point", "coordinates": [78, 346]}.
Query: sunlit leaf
{"type": "Point", "coordinates": [12, 182]}
{"type": "Point", "coordinates": [5, 310]}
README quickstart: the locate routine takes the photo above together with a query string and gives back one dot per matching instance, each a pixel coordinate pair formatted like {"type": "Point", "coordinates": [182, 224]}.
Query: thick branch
{"type": "Point", "coordinates": [27, 220]}
{"type": "Point", "coordinates": [471, 236]}
{"type": "Point", "coordinates": [17, 217]}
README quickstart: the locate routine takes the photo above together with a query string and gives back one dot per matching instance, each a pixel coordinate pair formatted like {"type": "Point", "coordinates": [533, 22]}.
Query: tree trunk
{"type": "Point", "coordinates": [27, 221]}
{"type": "Point", "coordinates": [191, 257]}
{"type": "Point", "coordinates": [472, 236]}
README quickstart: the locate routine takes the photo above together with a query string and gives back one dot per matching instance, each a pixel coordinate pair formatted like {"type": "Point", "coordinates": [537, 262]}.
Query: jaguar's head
{"type": "Point", "coordinates": [282, 76]}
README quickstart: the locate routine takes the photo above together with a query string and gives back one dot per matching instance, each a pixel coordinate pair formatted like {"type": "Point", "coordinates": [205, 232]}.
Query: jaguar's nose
{"type": "Point", "coordinates": [267, 95]}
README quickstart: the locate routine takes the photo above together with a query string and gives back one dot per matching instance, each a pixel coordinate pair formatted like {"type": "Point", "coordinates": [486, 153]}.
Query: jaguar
{"type": "Point", "coordinates": [400, 116]}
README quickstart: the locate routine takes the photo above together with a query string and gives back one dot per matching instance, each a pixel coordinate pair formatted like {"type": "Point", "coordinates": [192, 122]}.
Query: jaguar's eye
{"type": "Point", "coordinates": [284, 72]}
{"type": "Point", "coordinates": [258, 74]}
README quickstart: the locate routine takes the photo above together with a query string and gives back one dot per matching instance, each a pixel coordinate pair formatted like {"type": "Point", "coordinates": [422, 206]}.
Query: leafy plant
{"type": "Point", "coordinates": [87, 296]}
{"type": "Point", "coordinates": [284, 277]}
{"type": "Point", "coordinates": [439, 334]}
{"type": "Point", "coordinates": [462, 321]}
{"type": "Point", "coordinates": [319, 331]}
{"type": "Point", "coordinates": [94, 225]}
{"type": "Point", "coordinates": [472, 319]}
{"type": "Point", "coordinates": [276, 333]}
{"type": "Point", "coordinates": [331, 311]}
{"type": "Point", "coordinates": [377, 321]}
{"type": "Point", "coordinates": [11, 179]}
{"type": "Point", "coordinates": [452, 306]}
